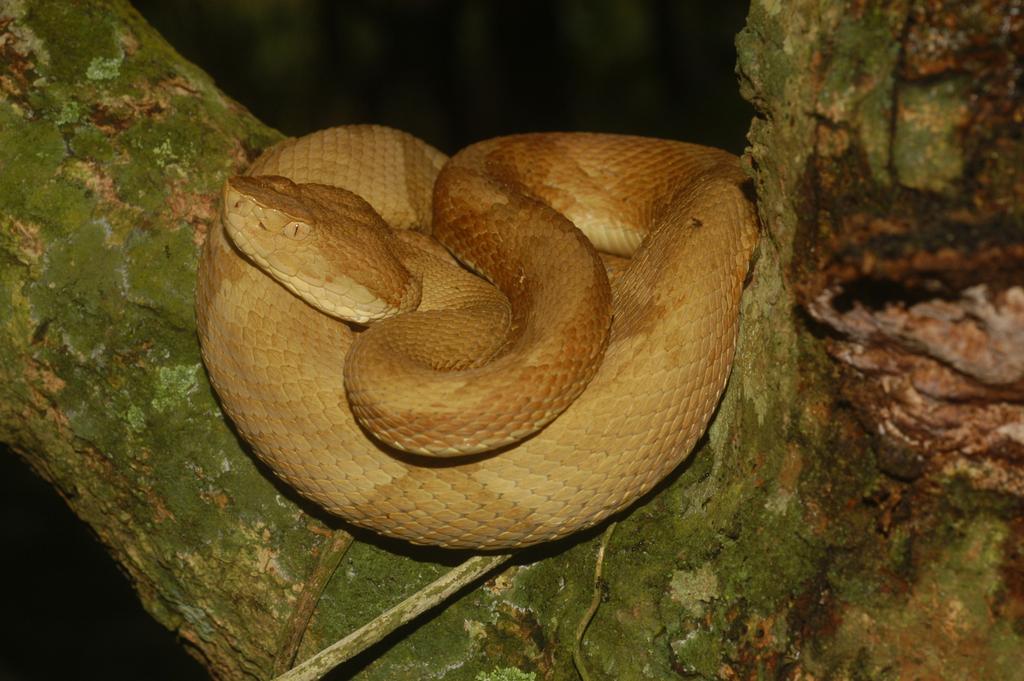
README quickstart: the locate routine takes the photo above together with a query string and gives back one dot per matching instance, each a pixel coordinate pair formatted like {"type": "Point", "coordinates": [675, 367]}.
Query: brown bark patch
{"type": "Point", "coordinates": [17, 69]}
{"type": "Point", "coordinates": [939, 380]}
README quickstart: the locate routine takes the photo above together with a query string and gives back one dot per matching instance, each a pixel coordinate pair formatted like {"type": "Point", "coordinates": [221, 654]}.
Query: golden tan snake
{"type": "Point", "coordinates": [528, 406]}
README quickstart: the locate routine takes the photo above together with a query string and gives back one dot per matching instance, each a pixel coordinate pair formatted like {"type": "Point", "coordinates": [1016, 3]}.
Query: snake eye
{"type": "Point", "coordinates": [296, 230]}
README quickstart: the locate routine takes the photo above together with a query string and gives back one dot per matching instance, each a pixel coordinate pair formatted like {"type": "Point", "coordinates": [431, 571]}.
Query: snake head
{"type": "Point", "coordinates": [325, 244]}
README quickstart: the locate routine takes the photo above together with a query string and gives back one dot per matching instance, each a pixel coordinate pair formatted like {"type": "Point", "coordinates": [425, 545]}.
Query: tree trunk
{"type": "Point", "coordinates": [854, 511]}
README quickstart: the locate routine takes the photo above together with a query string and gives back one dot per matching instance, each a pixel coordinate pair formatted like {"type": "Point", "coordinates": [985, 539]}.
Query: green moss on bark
{"type": "Point", "coordinates": [842, 135]}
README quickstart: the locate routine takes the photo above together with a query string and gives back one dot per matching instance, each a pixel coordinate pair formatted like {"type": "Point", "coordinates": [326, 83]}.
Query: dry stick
{"type": "Point", "coordinates": [581, 628]}
{"type": "Point", "coordinates": [365, 636]}
{"type": "Point", "coordinates": [331, 554]}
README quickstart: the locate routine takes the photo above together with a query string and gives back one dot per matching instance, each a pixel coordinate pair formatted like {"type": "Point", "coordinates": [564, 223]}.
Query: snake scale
{"type": "Point", "coordinates": [515, 395]}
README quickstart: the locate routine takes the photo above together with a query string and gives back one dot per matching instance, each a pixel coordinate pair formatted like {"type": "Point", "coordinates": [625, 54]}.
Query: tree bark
{"type": "Point", "coordinates": [854, 511]}
{"type": "Point", "coordinates": [888, 156]}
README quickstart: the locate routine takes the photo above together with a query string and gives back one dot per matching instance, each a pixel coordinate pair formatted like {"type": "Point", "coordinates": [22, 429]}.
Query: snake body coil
{"type": "Point", "coordinates": [491, 411]}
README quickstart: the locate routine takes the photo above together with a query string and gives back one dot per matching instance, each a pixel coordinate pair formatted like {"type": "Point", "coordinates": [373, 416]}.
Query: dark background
{"type": "Point", "coordinates": [450, 72]}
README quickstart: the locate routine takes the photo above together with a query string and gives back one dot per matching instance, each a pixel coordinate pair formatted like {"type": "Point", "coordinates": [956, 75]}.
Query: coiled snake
{"type": "Point", "coordinates": [490, 410]}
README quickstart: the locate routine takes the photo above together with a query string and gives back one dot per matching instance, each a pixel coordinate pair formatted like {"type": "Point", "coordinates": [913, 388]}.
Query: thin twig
{"type": "Point", "coordinates": [330, 557]}
{"type": "Point", "coordinates": [595, 602]}
{"type": "Point", "coordinates": [365, 636]}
